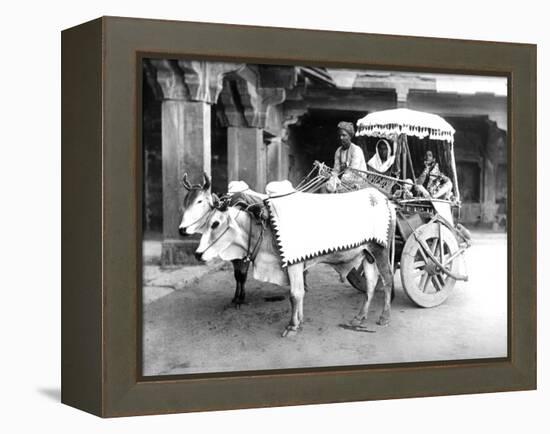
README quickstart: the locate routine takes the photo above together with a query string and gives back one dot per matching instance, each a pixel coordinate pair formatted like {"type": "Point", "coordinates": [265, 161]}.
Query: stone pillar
{"type": "Point", "coordinates": [251, 112]}
{"type": "Point", "coordinates": [185, 149]}
{"type": "Point", "coordinates": [490, 162]}
{"type": "Point", "coordinates": [402, 92]}
{"type": "Point", "coordinates": [188, 89]}
{"type": "Point", "coordinates": [172, 146]}
{"type": "Point", "coordinates": [277, 160]}
{"type": "Point", "coordinates": [246, 156]}
{"type": "Point", "coordinates": [292, 170]}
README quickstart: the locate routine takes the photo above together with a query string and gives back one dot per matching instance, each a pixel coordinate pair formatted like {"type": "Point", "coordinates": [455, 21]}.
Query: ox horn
{"type": "Point", "coordinates": [206, 183]}
{"type": "Point", "coordinates": [216, 201]}
{"type": "Point", "coordinates": [185, 182]}
{"type": "Point", "coordinates": [220, 204]}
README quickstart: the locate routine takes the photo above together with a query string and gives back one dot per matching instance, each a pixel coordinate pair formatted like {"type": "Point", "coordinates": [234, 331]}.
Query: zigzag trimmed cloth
{"type": "Point", "coordinates": [308, 225]}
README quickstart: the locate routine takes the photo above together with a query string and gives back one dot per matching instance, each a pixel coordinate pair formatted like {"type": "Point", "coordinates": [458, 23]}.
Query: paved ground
{"type": "Point", "coordinates": [188, 326]}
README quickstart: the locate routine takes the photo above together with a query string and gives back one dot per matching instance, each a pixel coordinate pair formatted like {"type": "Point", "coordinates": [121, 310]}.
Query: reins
{"type": "Point", "coordinates": [251, 251]}
{"type": "Point", "coordinates": [207, 214]}
{"type": "Point", "coordinates": [216, 240]}
{"type": "Point", "coordinates": [251, 254]}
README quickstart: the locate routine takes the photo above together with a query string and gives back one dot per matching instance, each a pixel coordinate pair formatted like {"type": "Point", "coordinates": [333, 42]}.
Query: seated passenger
{"type": "Point", "coordinates": [347, 156]}
{"type": "Point", "coordinates": [433, 183]}
{"type": "Point", "coordinates": [383, 159]}
{"type": "Point", "coordinates": [442, 188]}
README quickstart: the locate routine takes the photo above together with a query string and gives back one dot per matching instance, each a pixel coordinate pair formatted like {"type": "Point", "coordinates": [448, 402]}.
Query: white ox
{"type": "Point", "coordinates": [198, 207]}
{"type": "Point", "coordinates": [231, 232]}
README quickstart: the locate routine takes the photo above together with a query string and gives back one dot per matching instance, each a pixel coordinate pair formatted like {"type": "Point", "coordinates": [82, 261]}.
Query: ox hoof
{"type": "Point", "coordinates": [383, 321]}
{"type": "Point", "coordinates": [290, 331]}
{"type": "Point", "coordinates": [236, 304]}
{"type": "Point", "coordinates": [356, 321]}
{"type": "Point", "coordinates": [239, 303]}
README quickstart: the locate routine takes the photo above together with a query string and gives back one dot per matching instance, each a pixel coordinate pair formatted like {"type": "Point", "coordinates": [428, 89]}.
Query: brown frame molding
{"type": "Point", "coordinates": [101, 161]}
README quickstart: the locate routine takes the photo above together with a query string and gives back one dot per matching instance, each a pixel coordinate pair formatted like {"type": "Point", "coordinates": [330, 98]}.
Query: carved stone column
{"type": "Point", "coordinates": [204, 79]}
{"type": "Point", "coordinates": [252, 112]}
{"type": "Point", "coordinates": [292, 170]}
{"type": "Point", "coordinates": [246, 156]}
{"type": "Point", "coordinates": [188, 90]}
{"type": "Point", "coordinates": [402, 92]}
{"type": "Point", "coordinates": [277, 159]}
{"type": "Point", "coordinates": [185, 149]}
{"type": "Point", "coordinates": [174, 95]}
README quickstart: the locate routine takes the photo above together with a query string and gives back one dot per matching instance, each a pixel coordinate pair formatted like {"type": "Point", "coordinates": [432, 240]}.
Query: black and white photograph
{"type": "Point", "coordinates": [275, 217]}
{"type": "Point", "coordinates": [307, 217]}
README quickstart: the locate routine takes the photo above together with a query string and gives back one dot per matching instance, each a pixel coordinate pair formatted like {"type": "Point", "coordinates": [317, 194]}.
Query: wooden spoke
{"type": "Point", "coordinates": [449, 258]}
{"type": "Point", "coordinates": [419, 264]}
{"type": "Point", "coordinates": [437, 252]}
{"type": "Point", "coordinates": [424, 282]}
{"type": "Point", "coordinates": [434, 246]}
{"type": "Point", "coordinates": [441, 244]}
{"type": "Point", "coordinates": [436, 283]}
{"type": "Point", "coordinates": [422, 254]}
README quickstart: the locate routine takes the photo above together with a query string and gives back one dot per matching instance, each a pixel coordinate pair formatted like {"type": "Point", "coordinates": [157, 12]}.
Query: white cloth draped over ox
{"type": "Point", "coordinates": [308, 225]}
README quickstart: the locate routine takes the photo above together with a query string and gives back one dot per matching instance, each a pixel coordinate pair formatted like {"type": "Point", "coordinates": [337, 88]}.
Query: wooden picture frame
{"type": "Point", "coordinates": [101, 223]}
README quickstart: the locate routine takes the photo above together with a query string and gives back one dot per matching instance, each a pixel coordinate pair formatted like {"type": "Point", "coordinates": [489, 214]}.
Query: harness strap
{"type": "Point", "coordinates": [217, 239]}
{"type": "Point", "coordinates": [252, 253]}
{"type": "Point", "coordinates": [205, 216]}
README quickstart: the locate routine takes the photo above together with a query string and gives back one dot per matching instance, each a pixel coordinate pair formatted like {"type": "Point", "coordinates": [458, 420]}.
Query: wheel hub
{"type": "Point", "coordinates": [432, 268]}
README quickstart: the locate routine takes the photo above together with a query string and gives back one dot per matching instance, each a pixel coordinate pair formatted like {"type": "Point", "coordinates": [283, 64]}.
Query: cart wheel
{"type": "Point", "coordinates": [423, 281]}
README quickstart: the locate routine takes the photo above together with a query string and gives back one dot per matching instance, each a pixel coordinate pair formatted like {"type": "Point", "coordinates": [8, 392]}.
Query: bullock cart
{"type": "Point", "coordinates": [429, 244]}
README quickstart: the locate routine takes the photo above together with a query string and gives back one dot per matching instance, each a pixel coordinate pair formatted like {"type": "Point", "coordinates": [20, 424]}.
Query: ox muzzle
{"type": "Point", "coordinates": [183, 232]}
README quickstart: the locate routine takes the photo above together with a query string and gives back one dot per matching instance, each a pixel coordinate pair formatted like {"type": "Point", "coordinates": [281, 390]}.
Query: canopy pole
{"type": "Point", "coordinates": [455, 177]}
{"type": "Point", "coordinates": [409, 158]}
{"type": "Point", "coordinates": [403, 141]}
